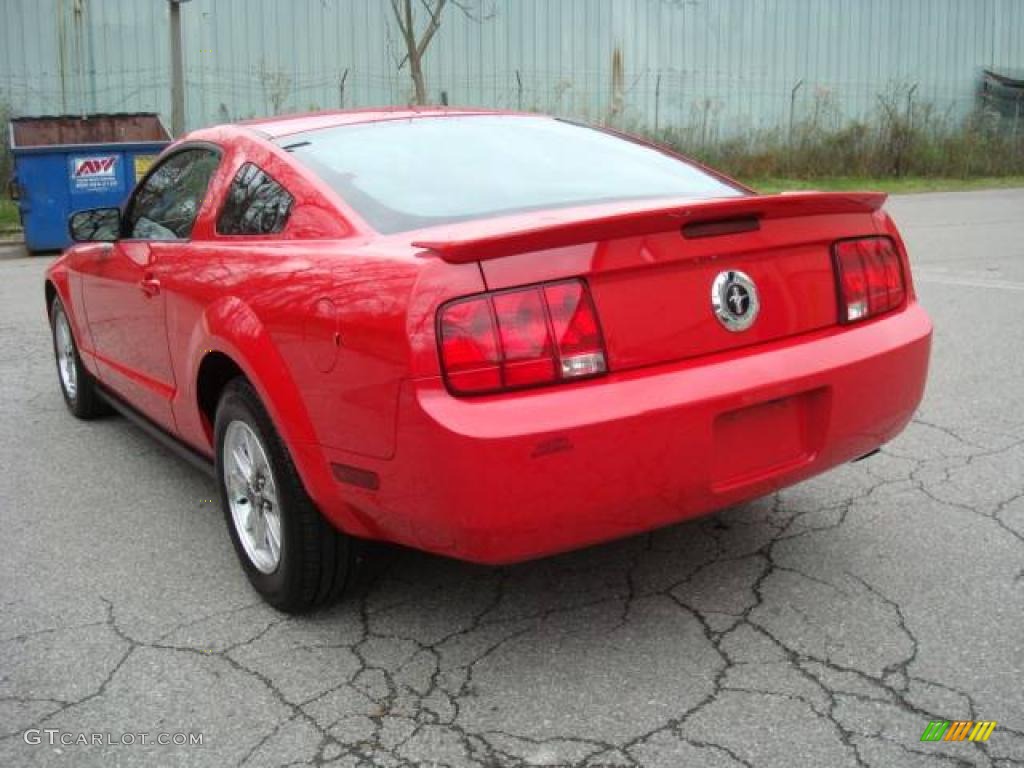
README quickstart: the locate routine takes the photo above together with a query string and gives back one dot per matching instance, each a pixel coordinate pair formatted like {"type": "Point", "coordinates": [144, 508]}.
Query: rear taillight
{"type": "Point", "coordinates": [870, 277]}
{"type": "Point", "coordinates": [520, 338]}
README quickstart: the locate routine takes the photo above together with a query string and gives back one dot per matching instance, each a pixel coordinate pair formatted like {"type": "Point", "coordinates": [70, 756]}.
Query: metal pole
{"type": "Point", "coordinates": [657, 100]}
{"type": "Point", "coordinates": [341, 89]}
{"type": "Point", "coordinates": [792, 107]}
{"type": "Point", "coordinates": [792, 116]}
{"type": "Point", "coordinates": [910, 106]}
{"type": "Point", "coordinates": [177, 73]}
{"type": "Point", "coordinates": [79, 22]}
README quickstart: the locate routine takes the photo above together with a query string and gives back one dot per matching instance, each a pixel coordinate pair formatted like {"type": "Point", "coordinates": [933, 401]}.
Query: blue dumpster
{"type": "Point", "coordinates": [65, 164]}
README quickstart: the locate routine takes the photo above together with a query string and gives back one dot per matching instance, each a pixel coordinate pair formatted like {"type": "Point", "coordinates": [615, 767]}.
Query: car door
{"type": "Point", "coordinates": [121, 290]}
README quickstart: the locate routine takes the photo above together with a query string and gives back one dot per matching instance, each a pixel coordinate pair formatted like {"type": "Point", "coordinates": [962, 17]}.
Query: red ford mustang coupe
{"type": "Point", "coordinates": [492, 336]}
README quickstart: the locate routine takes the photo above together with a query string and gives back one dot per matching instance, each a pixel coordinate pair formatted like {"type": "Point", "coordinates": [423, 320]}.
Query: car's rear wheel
{"type": "Point", "coordinates": [293, 557]}
{"type": "Point", "coordinates": [76, 384]}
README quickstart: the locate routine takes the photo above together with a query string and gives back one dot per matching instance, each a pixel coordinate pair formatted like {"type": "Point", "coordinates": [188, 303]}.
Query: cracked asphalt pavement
{"type": "Point", "coordinates": [822, 626]}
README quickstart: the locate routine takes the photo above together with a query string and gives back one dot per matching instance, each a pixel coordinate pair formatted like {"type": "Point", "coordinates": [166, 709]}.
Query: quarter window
{"type": "Point", "coordinates": [255, 205]}
{"type": "Point", "coordinates": [166, 205]}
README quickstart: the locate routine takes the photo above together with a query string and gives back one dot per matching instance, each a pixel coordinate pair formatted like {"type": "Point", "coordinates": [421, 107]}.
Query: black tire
{"type": "Point", "coordinates": [83, 401]}
{"type": "Point", "coordinates": [315, 558]}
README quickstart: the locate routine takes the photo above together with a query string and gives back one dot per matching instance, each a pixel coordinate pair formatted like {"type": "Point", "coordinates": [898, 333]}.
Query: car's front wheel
{"type": "Point", "coordinates": [76, 383]}
{"type": "Point", "coordinates": [293, 557]}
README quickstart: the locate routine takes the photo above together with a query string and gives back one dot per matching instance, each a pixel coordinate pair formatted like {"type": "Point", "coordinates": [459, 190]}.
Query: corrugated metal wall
{"type": "Point", "coordinates": [720, 67]}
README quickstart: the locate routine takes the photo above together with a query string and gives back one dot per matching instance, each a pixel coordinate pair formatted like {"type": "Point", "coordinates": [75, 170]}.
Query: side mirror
{"type": "Point", "coordinates": [99, 225]}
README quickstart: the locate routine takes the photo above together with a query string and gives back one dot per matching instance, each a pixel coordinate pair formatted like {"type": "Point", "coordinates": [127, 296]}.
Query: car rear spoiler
{"type": "Point", "coordinates": [694, 218]}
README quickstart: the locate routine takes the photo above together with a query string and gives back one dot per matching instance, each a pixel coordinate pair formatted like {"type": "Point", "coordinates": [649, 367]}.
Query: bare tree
{"type": "Point", "coordinates": [417, 36]}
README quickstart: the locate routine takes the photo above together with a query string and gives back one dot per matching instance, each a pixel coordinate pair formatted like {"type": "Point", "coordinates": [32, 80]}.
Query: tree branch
{"type": "Point", "coordinates": [432, 27]}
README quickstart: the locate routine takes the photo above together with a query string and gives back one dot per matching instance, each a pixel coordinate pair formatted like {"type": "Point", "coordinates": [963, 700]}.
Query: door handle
{"type": "Point", "coordinates": [150, 286]}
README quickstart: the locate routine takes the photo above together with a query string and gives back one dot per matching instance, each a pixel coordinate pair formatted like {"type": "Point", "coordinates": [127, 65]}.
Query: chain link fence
{"type": "Point", "coordinates": [751, 128]}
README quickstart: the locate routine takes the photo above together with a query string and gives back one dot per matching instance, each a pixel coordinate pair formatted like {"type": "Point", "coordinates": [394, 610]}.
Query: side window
{"type": "Point", "coordinates": [255, 204]}
{"type": "Point", "coordinates": [166, 205]}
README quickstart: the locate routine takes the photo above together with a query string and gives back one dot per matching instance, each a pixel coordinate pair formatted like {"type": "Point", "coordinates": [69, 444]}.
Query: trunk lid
{"type": "Point", "coordinates": [652, 267]}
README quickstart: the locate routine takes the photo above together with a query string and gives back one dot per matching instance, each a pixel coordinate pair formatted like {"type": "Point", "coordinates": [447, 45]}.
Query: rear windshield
{"type": "Point", "coordinates": [407, 174]}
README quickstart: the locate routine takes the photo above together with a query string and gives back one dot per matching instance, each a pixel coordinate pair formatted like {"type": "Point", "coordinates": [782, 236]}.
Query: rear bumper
{"type": "Point", "coordinates": [518, 476]}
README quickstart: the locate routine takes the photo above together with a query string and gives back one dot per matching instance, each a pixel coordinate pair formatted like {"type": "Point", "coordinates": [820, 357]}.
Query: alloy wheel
{"type": "Point", "coordinates": [65, 353]}
{"type": "Point", "coordinates": [252, 496]}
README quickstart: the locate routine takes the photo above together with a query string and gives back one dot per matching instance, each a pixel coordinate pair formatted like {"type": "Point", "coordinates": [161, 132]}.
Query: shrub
{"type": "Point", "coordinates": [6, 161]}
{"type": "Point", "coordinates": [902, 138]}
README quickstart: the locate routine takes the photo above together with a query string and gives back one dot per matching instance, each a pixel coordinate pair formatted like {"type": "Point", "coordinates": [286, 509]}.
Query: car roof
{"type": "Point", "coordinates": [285, 125]}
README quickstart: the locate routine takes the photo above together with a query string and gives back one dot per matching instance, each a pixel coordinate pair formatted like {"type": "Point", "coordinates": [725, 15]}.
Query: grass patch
{"type": "Point", "coordinates": [9, 222]}
{"type": "Point", "coordinates": [903, 145]}
{"type": "Point", "coordinates": [904, 185]}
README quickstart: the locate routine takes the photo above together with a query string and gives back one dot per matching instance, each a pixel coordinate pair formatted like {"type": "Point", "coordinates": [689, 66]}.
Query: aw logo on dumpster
{"type": "Point", "coordinates": [93, 173]}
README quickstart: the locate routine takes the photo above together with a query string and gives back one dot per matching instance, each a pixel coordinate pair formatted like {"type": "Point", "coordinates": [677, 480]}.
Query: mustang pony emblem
{"type": "Point", "coordinates": [734, 300]}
